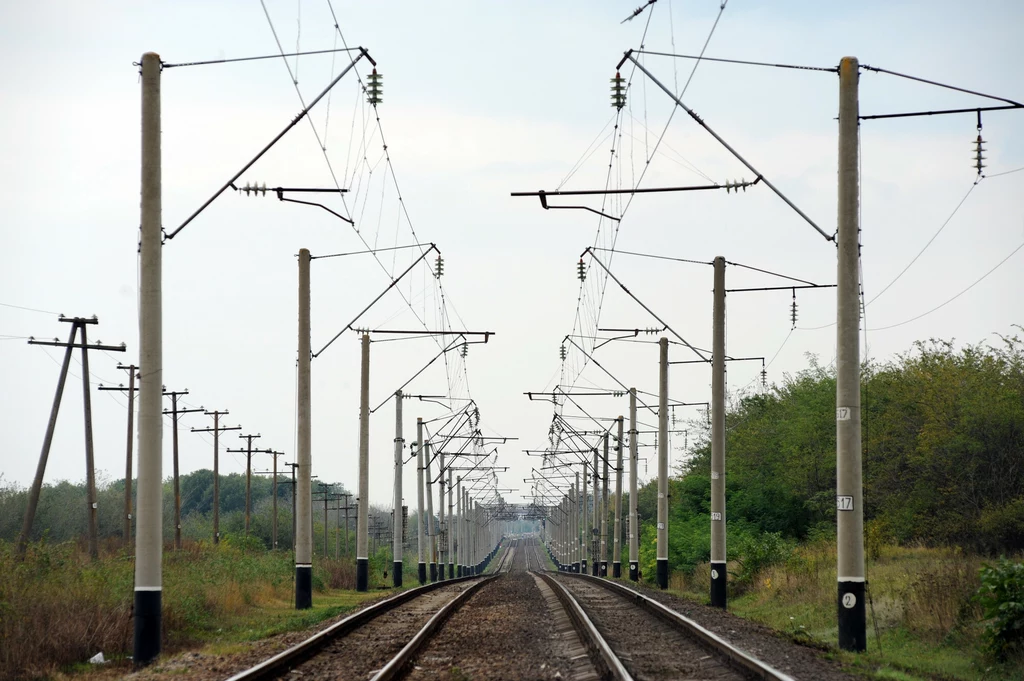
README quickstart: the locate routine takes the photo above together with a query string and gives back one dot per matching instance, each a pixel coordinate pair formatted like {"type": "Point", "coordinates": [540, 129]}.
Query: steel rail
{"type": "Point", "coordinates": [394, 667]}
{"type": "Point", "coordinates": [280, 663]}
{"type": "Point", "coordinates": [710, 640]}
{"type": "Point", "coordinates": [608, 663]}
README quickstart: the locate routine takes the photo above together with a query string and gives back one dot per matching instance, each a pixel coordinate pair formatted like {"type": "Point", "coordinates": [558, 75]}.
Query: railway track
{"type": "Point", "coordinates": [377, 641]}
{"type": "Point", "coordinates": [519, 621]}
{"type": "Point", "coordinates": [654, 642]}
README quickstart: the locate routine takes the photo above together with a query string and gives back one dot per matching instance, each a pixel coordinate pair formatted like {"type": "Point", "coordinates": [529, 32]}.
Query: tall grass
{"type": "Point", "coordinates": [922, 608]}
{"type": "Point", "coordinates": [58, 608]}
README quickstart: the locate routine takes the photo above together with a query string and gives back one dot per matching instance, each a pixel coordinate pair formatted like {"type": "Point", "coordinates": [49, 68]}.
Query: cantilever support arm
{"type": "Point", "coordinates": [394, 282]}
{"type": "Point", "coordinates": [629, 56]}
{"type": "Point", "coordinates": [302, 114]}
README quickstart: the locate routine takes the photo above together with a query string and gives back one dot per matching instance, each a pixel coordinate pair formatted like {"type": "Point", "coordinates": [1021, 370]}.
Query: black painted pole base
{"type": "Point", "coordinates": [459, 570]}
{"type": "Point", "coordinates": [433, 572]}
{"type": "Point", "coordinates": [362, 574]}
{"type": "Point", "coordinates": [634, 571]}
{"type": "Point", "coordinates": [852, 617]}
{"type": "Point", "coordinates": [583, 567]}
{"type": "Point", "coordinates": [595, 569]}
{"type": "Point", "coordinates": [440, 571]}
{"type": "Point", "coordinates": [147, 627]}
{"type": "Point", "coordinates": [396, 573]}
{"type": "Point", "coordinates": [451, 570]}
{"type": "Point", "coordinates": [662, 573]}
{"type": "Point", "coordinates": [604, 568]}
{"type": "Point", "coordinates": [303, 587]}
{"type": "Point", "coordinates": [576, 568]}
{"type": "Point", "coordinates": [718, 585]}
{"type": "Point", "coordinates": [421, 572]}
{"type": "Point", "coordinates": [616, 570]}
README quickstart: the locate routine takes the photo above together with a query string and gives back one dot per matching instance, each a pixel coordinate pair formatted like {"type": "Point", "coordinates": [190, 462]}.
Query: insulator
{"type": "Point", "coordinates": [581, 271]}
{"type": "Point", "coordinates": [979, 150]}
{"type": "Point", "coordinates": [438, 267]}
{"type": "Point", "coordinates": [618, 91]}
{"type": "Point", "coordinates": [764, 378]}
{"type": "Point", "coordinates": [792, 311]}
{"type": "Point", "coordinates": [374, 88]}
{"type": "Point", "coordinates": [561, 352]}
{"type": "Point", "coordinates": [464, 350]}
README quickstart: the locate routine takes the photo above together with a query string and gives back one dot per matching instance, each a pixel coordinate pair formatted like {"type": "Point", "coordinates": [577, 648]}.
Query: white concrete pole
{"type": "Point", "coordinates": [431, 532]}
{"type": "Point", "coordinates": [577, 529]}
{"type": "Point", "coordinates": [421, 542]}
{"type": "Point", "coordinates": [304, 455]}
{"type": "Point", "coordinates": [634, 526]}
{"type": "Point", "coordinates": [604, 511]}
{"type": "Point", "coordinates": [585, 523]}
{"type": "Point", "coordinates": [662, 571]}
{"type": "Point", "coordinates": [397, 546]}
{"type": "Point", "coordinates": [443, 524]}
{"type": "Point", "coordinates": [450, 527]}
{"type": "Point", "coordinates": [617, 540]}
{"type": "Point", "coordinates": [363, 512]}
{"type": "Point", "coordinates": [849, 501]}
{"type": "Point", "coordinates": [459, 548]}
{"type": "Point", "coordinates": [149, 520]}
{"type": "Point", "coordinates": [718, 555]}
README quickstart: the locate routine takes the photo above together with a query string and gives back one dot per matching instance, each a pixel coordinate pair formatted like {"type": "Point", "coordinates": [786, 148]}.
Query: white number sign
{"type": "Point", "coordinates": [842, 414]}
{"type": "Point", "coordinates": [715, 515]}
{"type": "Point", "coordinates": [849, 600]}
{"type": "Point", "coordinates": [844, 503]}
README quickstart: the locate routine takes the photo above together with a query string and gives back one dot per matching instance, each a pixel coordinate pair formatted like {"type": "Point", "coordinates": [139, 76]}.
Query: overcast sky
{"type": "Point", "coordinates": [481, 99]}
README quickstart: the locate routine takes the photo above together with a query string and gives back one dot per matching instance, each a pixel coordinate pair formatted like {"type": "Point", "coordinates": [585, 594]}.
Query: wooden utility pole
{"type": "Point", "coordinates": [131, 389]}
{"type": "Point", "coordinates": [347, 507]}
{"type": "Point", "coordinates": [248, 451]}
{"type": "Point", "coordinates": [273, 530]}
{"type": "Point", "coordinates": [175, 412]}
{"type": "Point", "coordinates": [77, 324]}
{"type": "Point", "coordinates": [216, 430]}
{"type": "Point", "coordinates": [293, 466]}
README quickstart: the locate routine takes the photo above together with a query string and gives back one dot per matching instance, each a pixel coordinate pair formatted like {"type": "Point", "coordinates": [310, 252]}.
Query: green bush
{"type": "Point", "coordinates": [1001, 596]}
{"type": "Point", "coordinates": [760, 551]}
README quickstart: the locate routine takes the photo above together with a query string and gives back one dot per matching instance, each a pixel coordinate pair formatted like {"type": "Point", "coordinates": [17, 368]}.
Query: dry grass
{"type": "Point", "coordinates": [58, 608]}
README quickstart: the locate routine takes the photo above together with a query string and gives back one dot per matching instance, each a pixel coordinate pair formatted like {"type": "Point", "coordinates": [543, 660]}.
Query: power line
{"type": "Point", "coordinates": [929, 243]}
{"type": "Point", "coordinates": [1006, 172]}
{"type": "Point", "coordinates": [29, 309]}
{"type": "Point", "coordinates": [269, 56]}
{"type": "Point", "coordinates": [831, 69]}
{"type": "Point", "coordinates": [942, 85]}
{"type": "Point", "coordinates": [938, 307]}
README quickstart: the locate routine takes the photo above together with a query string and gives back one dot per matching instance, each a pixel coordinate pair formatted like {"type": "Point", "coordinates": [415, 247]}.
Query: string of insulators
{"type": "Point", "coordinates": [792, 312]}
{"type": "Point", "coordinates": [618, 393]}
{"type": "Point", "coordinates": [581, 271]}
{"type": "Point", "coordinates": [736, 186]}
{"type": "Point", "coordinates": [438, 267]}
{"type": "Point", "coordinates": [979, 148]}
{"type": "Point", "coordinates": [561, 352]}
{"type": "Point", "coordinates": [464, 350]}
{"type": "Point", "coordinates": [764, 375]}
{"type": "Point", "coordinates": [255, 189]}
{"type": "Point", "coordinates": [618, 91]}
{"type": "Point", "coordinates": [374, 88]}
